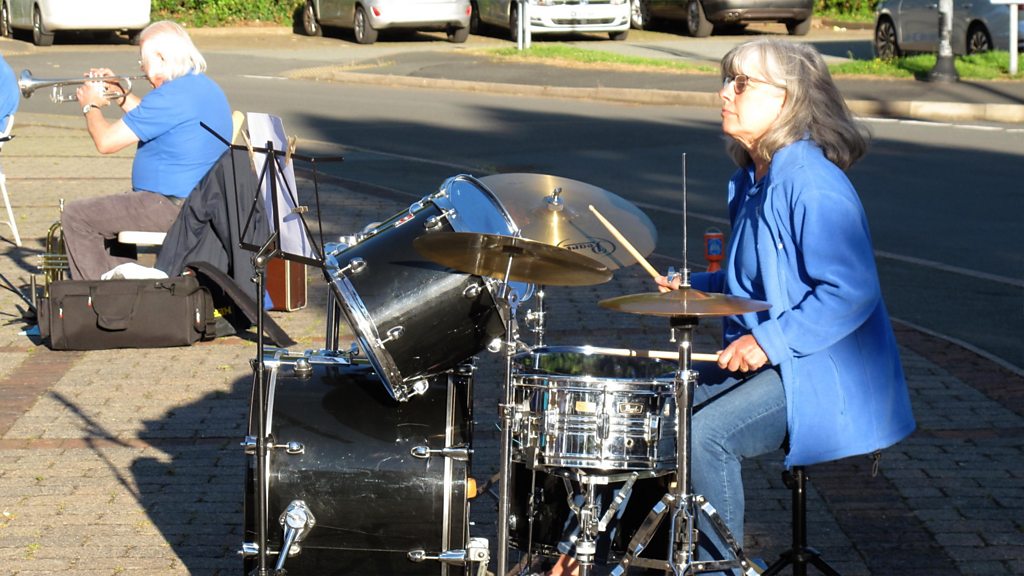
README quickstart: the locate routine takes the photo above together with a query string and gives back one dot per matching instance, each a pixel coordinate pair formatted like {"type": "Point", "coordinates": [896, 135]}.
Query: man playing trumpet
{"type": "Point", "coordinates": [174, 151]}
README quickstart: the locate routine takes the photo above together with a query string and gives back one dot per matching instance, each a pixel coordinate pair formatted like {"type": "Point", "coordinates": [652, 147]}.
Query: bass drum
{"type": "Point", "coordinates": [362, 464]}
{"type": "Point", "coordinates": [542, 520]}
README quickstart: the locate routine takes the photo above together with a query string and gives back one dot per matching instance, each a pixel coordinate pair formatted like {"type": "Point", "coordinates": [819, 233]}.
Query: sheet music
{"type": "Point", "coordinates": [293, 235]}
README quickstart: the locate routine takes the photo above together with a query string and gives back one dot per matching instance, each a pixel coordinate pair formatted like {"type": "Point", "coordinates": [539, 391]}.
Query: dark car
{"type": "Point", "coordinates": [703, 16]}
{"type": "Point", "coordinates": [905, 26]}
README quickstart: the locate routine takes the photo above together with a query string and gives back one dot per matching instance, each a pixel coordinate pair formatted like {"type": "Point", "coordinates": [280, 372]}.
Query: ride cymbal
{"type": "Point", "coordinates": [553, 210]}
{"type": "Point", "coordinates": [521, 259]}
{"type": "Point", "coordinates": [686, 301]}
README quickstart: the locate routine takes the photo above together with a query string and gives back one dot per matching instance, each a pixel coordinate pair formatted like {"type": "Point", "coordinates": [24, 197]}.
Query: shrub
{"type": "Point", "coordinates": [218, 12]}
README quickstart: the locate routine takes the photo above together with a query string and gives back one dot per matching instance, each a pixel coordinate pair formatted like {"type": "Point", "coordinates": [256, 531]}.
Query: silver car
{"type": "Point", "coordinates": [45, 17]}
{"type": "Point", "coordinates": [367, 17]}
{"type": "Point", "coordinates": [904, 26]}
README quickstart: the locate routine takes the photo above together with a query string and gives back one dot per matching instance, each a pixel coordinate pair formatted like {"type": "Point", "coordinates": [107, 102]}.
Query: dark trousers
{"type": "Point", "coordinates": [90, 225]}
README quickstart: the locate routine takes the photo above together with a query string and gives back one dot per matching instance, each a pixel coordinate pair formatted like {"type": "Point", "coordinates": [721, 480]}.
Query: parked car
{"type": "Point", "coordinates": [904, 26]}
{"type": "Point", "coordinates": [704, 16]}
{"type": "Point", "coordinates": [46, 17]}
{"type": "Point", "coordinates": [367, 17]}
{"type": "Point", "coordinates": [553, 16]}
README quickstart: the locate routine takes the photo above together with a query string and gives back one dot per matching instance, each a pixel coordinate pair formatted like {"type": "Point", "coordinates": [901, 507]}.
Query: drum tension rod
{"type": "Point", "coordinates": [249, 444]}
{"type": "Point", "coordinates": [460, 453]}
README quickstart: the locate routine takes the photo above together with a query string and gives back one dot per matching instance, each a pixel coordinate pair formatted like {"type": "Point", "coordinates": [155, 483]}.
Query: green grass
{"type": "Point", "coordinates": [569, 55]}
{"type": "Point", "coordinates": [988, 66]}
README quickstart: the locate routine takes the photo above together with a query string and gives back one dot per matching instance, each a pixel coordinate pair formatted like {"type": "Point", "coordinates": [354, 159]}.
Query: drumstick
{"type": "Point", "coordinates": [657, 354]}
{"type": "Point", "coordinates": [629, 247]}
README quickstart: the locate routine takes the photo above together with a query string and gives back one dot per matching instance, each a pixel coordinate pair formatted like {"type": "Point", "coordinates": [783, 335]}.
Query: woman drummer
{"type": "Point", "coordinates": [819, 372]}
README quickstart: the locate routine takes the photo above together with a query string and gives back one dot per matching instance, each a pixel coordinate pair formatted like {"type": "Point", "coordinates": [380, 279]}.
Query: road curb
{"type": "Point", "coordinates": [919, 110]}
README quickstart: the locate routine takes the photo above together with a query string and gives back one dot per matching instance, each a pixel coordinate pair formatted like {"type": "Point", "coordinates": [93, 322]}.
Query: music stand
{"type": "Point", "coordinates": [288, 237]}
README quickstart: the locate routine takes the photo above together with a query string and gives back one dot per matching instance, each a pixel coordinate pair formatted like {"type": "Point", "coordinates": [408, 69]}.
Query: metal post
{"type": "Point", "coordinates": [1013, 38]}
{"type": "Point", "coordinates": [944, 70]}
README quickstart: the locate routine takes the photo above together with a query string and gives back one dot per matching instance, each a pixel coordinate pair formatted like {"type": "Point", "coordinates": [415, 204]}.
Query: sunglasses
{"type": "Point", "coordinates": [741, 82]}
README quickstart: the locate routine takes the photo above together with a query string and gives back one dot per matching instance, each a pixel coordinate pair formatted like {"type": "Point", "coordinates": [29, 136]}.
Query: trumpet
{"type": "Point", "coordinates": [29, 85]}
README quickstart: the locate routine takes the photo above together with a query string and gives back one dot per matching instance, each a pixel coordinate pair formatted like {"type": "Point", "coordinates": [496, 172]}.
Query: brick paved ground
{"type": "Point", "coordinates": [119, 461]}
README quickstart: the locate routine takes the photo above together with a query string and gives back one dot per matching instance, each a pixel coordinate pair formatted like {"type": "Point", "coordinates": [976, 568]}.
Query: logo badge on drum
{"type": "Point", "coordinates": [600, 246]}
{"type": "Point", "coordinates": [630, 408]}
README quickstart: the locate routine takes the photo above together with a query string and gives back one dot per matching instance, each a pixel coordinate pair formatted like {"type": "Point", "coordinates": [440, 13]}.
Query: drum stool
{"type": "Point", "coordinates": [800, 555]}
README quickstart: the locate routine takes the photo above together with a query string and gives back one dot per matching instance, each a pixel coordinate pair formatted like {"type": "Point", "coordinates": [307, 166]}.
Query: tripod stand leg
{"type": "Point", "coordinates": [644, 533]}
{"type": "Point", "coordinates": [740, 559]}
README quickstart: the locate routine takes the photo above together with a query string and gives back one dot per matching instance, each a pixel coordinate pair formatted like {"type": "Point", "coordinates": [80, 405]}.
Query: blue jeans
{"type": "Point", "coordinates": [733, 419]}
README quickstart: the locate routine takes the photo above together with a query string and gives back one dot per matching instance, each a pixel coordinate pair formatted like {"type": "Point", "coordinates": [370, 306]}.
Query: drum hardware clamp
{"type": "Point", "coordinates": [297, 521]}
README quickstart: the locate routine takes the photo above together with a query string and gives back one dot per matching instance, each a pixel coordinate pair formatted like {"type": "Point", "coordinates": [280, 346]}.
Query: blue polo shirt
{"type": "Point", "coordinates": [174, 151]}
{"type": "Point", "coordinates": [9, 93]}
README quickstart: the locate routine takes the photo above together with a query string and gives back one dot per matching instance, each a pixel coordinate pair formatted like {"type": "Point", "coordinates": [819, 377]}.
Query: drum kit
{"type": "Point", "coordinates": [368, 449]}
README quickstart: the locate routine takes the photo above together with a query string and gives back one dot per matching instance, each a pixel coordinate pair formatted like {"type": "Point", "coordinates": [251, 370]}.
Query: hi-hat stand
{"type": "Point", "coordinates": [681, 504]}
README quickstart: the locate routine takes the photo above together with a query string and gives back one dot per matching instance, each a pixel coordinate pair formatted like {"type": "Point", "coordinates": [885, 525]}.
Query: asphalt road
{"type": "Point", "coordinates": [942, 199]}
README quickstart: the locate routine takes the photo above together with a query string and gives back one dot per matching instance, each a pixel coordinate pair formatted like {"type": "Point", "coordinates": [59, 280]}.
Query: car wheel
{"type": "Point", "coordinates": [799, 27]}
{"type": "Point", "coordinates": [40, 37]}
{"type": "Point", "coordinates": [978, 39]}
{"type": "Point", "coordinates": [458, 35]}
{"type": "Point", "coordinates": [886, 47]}
{"type": "Point", "coordinates": [5, 21]}
{"type": "Point", "coordinates": [639, 14]}
{"type": "Point", "coordinates": [513, 23]}
{"type": "Point", "coordinates": [134, 36]}
{"type": "Point", "coordinates": [619, 36]}
{"type": "Point", "coordinates": [696, 22]}
{"type": "Point", "coordinates": [364, 31]}
{"type": "Point", "coordinates": [475, 25]}
{"type": "Point", "coordinates": [310, 27]}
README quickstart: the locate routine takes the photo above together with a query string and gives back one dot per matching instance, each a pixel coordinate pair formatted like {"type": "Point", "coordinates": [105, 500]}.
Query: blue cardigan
{"type": "Point", "coordinates": [827, 330]}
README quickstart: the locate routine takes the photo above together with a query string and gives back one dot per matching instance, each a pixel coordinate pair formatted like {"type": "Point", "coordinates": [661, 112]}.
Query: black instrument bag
{"type": "Point", "coordinates": [102, 314]}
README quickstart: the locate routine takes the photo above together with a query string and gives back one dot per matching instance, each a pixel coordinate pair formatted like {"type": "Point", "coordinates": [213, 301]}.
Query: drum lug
{"type": "Point", "coordinates": [460, 453]}
{"type": "Point", "coordinates": [434, 222]}
{"type": "Point", "coordinates": [472, 292]}
{"type": "Point", "coordinates": [302, 368]}
{"type": "Point", "coordinates": [293, 448]}
{"type": "Point", "coordinates": [355, 266]}
{"type": "Point", "coordinates": [476, 551]}
{"type": "Point", "coordinates": [393, 334]}
{"type": "Point", "coordinates": [249, 549]}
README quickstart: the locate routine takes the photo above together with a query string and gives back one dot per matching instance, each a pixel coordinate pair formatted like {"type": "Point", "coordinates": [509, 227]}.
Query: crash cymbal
{"type": "Point", "coordinates": [553, 210]}
{"type": "Point", "coordinates": [490, 255]}
{"type": "Point", "coordinates": [686, 301]}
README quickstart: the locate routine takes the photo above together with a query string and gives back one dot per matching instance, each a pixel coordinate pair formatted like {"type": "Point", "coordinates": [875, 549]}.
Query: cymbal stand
{"type": "Point", "coordinates": [506, 416]}
{"type": "Point", "coordinates": [535, 318]}
{"type": "Point", "coordinates": [681, 503]}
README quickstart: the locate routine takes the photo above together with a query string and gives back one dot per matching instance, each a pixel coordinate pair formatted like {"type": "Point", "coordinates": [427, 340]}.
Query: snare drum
{"type": "Point", "coordinates": [385, 482]}
{"type": "Point", "coordinates": [574, 409]}
{"type": "Point", "coordinates": [413, 317]}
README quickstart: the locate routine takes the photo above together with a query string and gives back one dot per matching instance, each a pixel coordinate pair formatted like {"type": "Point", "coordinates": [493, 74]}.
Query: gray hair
{"type": "Point", "coordinates": [813, 105]}
{"type": "Point", "coordinates": [173, 43]}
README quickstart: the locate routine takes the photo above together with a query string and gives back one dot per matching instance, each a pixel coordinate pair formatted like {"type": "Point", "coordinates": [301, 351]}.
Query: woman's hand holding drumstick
{"type": "Point", "coordinates": [664, 284]}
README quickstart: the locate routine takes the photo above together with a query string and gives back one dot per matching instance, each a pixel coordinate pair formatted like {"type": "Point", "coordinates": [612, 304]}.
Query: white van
{"type": "Point", "coordinates": [551, 16]}
{"type": "Point", "coordinates": [44, 17]}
